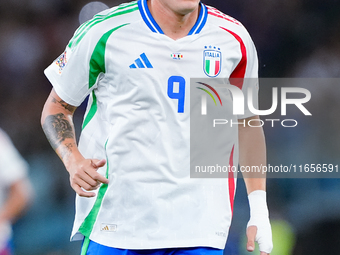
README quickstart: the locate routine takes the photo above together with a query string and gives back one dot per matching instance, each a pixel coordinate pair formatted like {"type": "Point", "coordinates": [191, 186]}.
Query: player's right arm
{"type": "Point", "coordinates": [57, 123]}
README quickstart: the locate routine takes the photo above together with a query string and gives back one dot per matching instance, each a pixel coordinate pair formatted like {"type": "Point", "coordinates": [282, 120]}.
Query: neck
{"type": "Point", "coordinates": [174, 24]}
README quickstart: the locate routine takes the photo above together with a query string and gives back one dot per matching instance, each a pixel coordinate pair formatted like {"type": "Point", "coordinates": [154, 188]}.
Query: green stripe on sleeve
{"type": "Point", "coordinates": [97, 66]}
{"type": "Point", "coordinates": [99, 18]}
{"type": "Point", "coordinates": [84, 28]}
{"type": "Point", "coordinates": [97, 61]}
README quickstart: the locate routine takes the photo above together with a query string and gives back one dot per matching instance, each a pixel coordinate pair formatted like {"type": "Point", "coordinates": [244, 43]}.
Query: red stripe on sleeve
{"type": "Point", "coordinates": [214, 12]}
{"type": "Point", "coordinates": [237, 76]}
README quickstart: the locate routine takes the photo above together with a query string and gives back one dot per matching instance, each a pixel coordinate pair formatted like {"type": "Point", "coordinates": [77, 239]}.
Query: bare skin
{"type": "Point", "coordinates": [252, 153]}
{"type": "Point", "coordinates": [175, 17]}
{"type": "Point", "coordinates": [57, 124]}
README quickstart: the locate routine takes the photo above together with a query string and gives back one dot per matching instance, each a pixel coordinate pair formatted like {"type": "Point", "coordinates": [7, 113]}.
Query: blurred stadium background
{"type": "Point", "coordinates": [294, 38]}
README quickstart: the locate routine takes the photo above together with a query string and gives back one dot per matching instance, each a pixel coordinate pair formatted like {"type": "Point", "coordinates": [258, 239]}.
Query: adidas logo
{"type": "Point", "coordinates": [108, 227]}
{"type": "Point", "coordinates": [141, 62]}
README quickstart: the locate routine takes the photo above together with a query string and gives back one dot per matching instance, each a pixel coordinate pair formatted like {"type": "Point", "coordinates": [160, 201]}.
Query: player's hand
{"type": "Point", "coordinates": [262, 236]}
{"type": "Point", "coordinates": [258, 227]}
{"type": "Point", "coordinates": [84, 176]}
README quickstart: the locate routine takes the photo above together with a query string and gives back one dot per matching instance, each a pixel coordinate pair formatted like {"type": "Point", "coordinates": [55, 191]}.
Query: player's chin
{"type": "Point", "coordinates": [185, 11]}
{"type": "Point", "coordinates": [188, 6]}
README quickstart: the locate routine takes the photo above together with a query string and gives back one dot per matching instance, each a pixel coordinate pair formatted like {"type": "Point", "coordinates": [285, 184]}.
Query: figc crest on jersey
{"type": "Point", "coordinates": [212, 59]}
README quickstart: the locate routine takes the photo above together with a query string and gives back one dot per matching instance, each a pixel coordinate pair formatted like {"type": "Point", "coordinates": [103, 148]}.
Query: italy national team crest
{"type": "Point", "coordinates": [212, 59]}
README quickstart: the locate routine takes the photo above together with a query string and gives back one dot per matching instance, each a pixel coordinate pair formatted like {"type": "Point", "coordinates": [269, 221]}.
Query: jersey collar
{"type": "Point", "coordinates": [151, 23]}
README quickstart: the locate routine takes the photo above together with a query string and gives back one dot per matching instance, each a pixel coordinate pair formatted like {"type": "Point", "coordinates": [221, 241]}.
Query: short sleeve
{"type": "Point", "coordinates": [71, 73]}
{"type": "Point", "coordinates": [245, 75]}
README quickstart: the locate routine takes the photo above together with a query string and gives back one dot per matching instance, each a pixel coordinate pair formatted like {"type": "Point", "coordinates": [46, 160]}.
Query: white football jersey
{"type": "Point", "coordinates": [138, 118]}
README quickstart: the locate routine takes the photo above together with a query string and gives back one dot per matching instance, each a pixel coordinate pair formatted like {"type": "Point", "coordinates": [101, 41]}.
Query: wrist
{"type": "Point", "coordinates": [72, 159]}
{"type": "Point", "coordinates": [259, 217]}
{"type": "Point", "coordinates": [258, 203]}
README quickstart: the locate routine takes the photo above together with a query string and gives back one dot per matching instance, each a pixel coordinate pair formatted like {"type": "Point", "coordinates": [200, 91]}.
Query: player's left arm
{"type": "Point", "coordinates": [253, 154]}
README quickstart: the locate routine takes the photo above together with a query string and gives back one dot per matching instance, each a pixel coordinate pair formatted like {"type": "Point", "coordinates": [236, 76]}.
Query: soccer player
{"type": "Point", "coordinates": [130, 169]}
{"type": "Point", "coordinates": [15, 190]}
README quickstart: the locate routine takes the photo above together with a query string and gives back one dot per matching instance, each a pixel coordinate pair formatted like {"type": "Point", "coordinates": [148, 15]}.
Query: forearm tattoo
{"type": "Point", "coordinates": [57, 128]}
{"type": "Point", "coordinates": [66, 151]}
{"type": "Point", "coordinates": [65, 105]}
